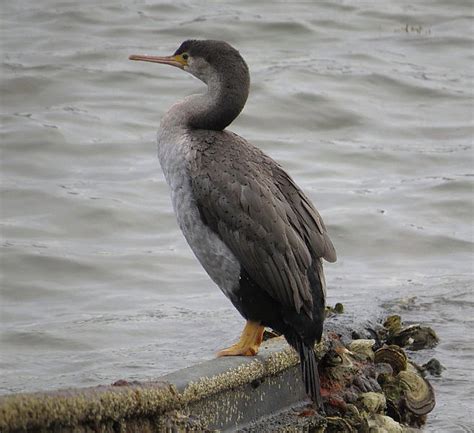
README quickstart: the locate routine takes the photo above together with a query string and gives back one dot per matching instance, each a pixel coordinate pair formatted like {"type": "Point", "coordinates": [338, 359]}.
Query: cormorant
{"type": "Point", "coordinates": [253, 229]}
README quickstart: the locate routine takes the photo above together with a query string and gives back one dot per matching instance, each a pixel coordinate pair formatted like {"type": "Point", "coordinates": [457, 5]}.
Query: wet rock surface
{"type": "Point", "coordinates": [368, 384]}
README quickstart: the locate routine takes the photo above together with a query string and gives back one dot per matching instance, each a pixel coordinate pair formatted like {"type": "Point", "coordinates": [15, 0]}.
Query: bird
{"type": "Point", "coordinates": [254, 231]}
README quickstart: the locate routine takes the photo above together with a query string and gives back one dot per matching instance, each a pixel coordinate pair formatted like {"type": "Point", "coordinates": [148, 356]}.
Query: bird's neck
{"type": "Point", "coordinates": [215, 109]}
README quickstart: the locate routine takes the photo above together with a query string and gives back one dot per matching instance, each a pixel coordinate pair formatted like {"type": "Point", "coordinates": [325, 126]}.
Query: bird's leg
{"type": "Point", "coordinates": [248, 343]}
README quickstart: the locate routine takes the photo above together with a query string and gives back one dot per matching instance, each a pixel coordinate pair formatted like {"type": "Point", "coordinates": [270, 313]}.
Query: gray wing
{"type": "Point", "coordinates": [311, 225]}
{"type": "Point", "coordinates": [261, 215]}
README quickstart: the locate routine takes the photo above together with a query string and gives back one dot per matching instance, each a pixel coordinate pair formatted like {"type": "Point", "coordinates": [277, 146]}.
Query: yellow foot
{"type": "Point", "coordinates": [248, 343]}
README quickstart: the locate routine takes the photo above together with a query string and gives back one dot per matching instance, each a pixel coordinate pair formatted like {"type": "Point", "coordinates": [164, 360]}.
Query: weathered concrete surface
{"type": "Point", "coordinates": [219, 394]}
{"type": "Point", "coordinates": [232, 392]}
{"type": "Point", "coordinates": [367, 386]}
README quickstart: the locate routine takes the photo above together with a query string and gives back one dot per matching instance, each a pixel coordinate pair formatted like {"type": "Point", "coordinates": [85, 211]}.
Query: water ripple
{"type": "Point", "coordinates": [367, 104]}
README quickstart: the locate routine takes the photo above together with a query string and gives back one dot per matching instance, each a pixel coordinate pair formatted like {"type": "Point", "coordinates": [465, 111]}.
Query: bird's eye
{"type": "Point", "coordinates": [185, 56]}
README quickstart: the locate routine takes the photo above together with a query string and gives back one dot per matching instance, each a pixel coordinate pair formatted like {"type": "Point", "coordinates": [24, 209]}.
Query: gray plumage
{"type": "Point", "coordinates": [228, 80]}
{"type": "Point", "coordinates": [261, 215]}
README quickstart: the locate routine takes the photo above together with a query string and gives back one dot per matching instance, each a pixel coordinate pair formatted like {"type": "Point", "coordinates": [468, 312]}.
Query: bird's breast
{"type": "Point", "coordinates": [216, 258]}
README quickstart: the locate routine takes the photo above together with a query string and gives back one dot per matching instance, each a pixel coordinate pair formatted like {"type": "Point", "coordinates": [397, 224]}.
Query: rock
{"type": "Point", "coordinates": [372, 402]}
{"type": "Point", "coordinates": [384, 424]}
{"type": "Point", "coordinates": [434, 367]}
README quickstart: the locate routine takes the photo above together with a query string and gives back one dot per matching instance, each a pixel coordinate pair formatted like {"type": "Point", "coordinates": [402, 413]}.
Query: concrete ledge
{"type": "Point", "coordinates": [221, 394]}
{"type": "Point", "coordinates": [368, 385]}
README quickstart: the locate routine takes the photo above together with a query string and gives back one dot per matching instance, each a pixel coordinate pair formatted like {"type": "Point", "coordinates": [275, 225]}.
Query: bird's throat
{"type": "Point", "coordinates": [219, 106]}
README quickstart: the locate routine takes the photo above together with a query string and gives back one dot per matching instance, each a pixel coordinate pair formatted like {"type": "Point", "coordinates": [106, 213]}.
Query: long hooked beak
{"type": "Point", "coordinates": [177, 60]}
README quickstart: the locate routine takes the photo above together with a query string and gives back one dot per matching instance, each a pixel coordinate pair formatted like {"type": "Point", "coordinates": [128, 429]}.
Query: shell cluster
{"type": "Point", "coordinates": [411, 337]}
{"type": "Point", "coordinates": [370, 385]}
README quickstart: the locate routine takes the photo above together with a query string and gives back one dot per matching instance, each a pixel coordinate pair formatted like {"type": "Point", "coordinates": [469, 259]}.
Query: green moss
{"type": "Point", "coordinates": [98, 405]}
{"type": "Point", "coordinates": [23, 412]}
{"type": "Point", "coordinates": [240, 375]}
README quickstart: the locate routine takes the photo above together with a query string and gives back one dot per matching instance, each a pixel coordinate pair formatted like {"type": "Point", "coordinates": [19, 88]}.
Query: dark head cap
{"type": "Point", "coordinates": [209, 50]}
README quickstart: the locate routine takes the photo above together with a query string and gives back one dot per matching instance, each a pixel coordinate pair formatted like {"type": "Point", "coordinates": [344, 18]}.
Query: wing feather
{"type": "Point", "coordinates": [310, 220]}
{"type": "Point", "coordinates": [262, 216]}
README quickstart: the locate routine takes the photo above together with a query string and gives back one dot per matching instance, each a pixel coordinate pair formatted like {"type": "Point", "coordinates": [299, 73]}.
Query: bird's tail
{"type": "Point", "coordinates": [309, 368]}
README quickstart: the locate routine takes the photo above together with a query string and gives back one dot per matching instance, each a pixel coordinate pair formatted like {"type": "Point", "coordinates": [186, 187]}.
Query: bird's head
{"type": "Point", "coordinates": [224, 71]}
{"type": "Point", "coordinates": [205, 59]}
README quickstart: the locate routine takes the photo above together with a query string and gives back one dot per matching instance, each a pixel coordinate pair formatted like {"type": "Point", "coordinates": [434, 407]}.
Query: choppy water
{"type": "Point", "coordinates": [368, 104]}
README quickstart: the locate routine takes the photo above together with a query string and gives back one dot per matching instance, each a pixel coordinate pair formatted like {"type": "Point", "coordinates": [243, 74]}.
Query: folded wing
{"type": "Point", "coordinates": [262, 216]}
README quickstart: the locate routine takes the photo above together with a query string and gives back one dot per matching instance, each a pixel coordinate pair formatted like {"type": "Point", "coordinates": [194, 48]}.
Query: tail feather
{"type": "Point", "coordinates": [309, 368]}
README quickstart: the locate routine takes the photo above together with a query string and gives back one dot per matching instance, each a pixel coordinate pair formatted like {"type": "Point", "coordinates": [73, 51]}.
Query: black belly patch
{"type": "Point", "coordinates": [255, 304]}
